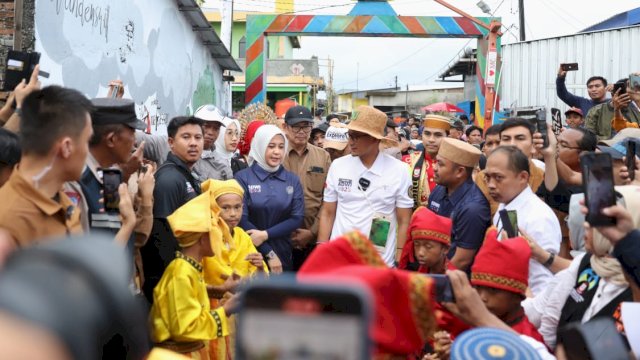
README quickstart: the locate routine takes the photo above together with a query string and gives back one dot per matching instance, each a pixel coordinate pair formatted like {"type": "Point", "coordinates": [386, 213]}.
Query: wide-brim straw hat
{"type": "Point", "coordinates": [368, 120]}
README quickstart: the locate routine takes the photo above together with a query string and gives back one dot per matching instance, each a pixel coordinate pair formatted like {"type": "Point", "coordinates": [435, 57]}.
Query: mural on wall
{"type": "Point", "coordinates": [205, 90]}
{"type": "Point", "coordinates": [164, 67]}
{"type": "Point", "coordinates": [150, 111]}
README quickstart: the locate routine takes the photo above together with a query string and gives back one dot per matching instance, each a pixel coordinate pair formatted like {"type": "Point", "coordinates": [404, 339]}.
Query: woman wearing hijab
{"type": "Point", "coordinates": [593, 285]}
{"type": "Point", "coordinates": [273, 198]}
{"type": "Point", "coordinates": [247, 137]}
{"type": "Point", "coordinates": [227, 144]}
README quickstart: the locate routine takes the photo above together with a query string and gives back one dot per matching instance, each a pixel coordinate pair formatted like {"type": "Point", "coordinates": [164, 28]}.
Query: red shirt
{"type": "Point", "coordinates": [522, 326]}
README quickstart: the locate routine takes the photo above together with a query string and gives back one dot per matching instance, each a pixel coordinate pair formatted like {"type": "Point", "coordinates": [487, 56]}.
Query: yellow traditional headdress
{"type": "Point", "coordinates": [219, 188]}
{"type": "Point", "coordinates": [200, 215]}
{"type": "Point", "coordinates": [218, 268]}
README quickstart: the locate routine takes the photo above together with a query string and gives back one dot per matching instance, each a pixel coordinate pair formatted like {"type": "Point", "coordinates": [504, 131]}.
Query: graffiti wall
{"type": "Point", "coordinates": [147, 44]}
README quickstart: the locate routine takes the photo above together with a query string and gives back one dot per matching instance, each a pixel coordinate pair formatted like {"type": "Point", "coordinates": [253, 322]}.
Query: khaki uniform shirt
{"type": "Point", "coordinates": [29, 216]}
{"type": "Point", "coordinates": [312, 168]}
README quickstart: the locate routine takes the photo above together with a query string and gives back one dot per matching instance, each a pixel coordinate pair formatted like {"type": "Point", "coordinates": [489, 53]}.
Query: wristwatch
{"type": "Point", "coordinates": [271, 255]}
{"type": "Point", "coordinates": [549, 261]}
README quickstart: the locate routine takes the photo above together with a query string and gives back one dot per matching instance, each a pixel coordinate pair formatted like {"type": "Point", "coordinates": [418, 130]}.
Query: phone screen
{"type": "Point", "coordinates": [509, 220]}
{"type": "Point", "coordinates": [111, 179]}
{"type": "Point", "coordinates": [302, 322]}
{"type": "Point", "coordinates": [632, 148]}
{"type": "Point", "coordinates": [513, 218]}
{"type": "Point", "coordinates": [19, 66]}
{"type": "Point", "coordinates": [634, 82]}
{"type": "Point", "coordinates": [597, 172]}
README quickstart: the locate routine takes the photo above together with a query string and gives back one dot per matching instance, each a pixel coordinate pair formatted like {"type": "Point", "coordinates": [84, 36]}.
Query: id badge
{"type": "Point", "coordinates": [380, 226]}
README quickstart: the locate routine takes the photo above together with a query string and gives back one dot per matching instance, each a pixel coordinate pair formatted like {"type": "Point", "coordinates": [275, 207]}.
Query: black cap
{"type": "Point", "coordinates": [115, 111]}
{"type": "Point", "coordinates": [391, 123]}
{"type": "Point", "coordinates": [323, 127]}
{"type": "Point", "coordinates": [458, 125]}
{"type": "Point", "coordinates": [297, 114]}
{"type": "Point", "coordinates": [332, 116]}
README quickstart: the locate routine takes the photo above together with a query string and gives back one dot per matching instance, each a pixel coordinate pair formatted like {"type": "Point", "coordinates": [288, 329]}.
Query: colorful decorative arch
{"type": "Point", "coordinates": [382, 23]}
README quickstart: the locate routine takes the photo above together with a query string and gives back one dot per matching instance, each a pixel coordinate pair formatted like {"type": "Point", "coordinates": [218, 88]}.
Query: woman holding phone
{"type": "Point", "coordinates": [592, 285]}
{"type": "Point", "coordinates": [273, 198]}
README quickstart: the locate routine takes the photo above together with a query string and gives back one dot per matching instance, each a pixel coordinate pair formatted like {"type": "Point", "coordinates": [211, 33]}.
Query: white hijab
{"type": "Point", "coordinates": [259, 145]}
{"type": "Point", "coordinates": [221, 147]}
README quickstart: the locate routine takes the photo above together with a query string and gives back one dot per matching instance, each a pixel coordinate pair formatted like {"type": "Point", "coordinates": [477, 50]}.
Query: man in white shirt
{"type": "Point", "coordinates": [368, 191]}
{"type": "Point", "coordinates": [507, 178]}
{"type": "Point", "coordinates": [517, 132]}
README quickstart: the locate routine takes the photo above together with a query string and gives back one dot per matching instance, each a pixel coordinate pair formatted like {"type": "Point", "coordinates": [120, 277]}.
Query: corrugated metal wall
{"type": "Point", "coordinates": [529, 69]}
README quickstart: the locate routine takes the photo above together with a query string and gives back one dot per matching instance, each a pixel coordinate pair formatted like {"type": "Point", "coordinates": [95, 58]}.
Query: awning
{"type": "Point", "coordinates": [275, 88]}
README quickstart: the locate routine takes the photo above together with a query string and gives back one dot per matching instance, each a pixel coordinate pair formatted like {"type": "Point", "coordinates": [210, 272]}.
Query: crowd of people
{"type": "Point", "coordinates": [220, 201]}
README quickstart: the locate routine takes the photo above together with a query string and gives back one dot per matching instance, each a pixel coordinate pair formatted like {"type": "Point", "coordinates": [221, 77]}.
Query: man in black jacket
{"type": "Point", "coordinates": [176, 184]}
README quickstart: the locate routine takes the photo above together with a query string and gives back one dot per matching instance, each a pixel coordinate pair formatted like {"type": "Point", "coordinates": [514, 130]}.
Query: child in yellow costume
{"type": "Point", "coordinates": [181, 316]}
{"type": "Point", "coordinates": [237, 258]}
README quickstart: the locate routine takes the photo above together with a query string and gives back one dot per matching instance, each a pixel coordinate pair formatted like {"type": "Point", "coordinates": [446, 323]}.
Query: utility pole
{"type": "Point", "coordinates": [357, 77]}
{"type": "Point", "coordinates": [396, 86]}
{"type": "Point", "coordinates": [406, 99]}
{"type": "Point", "coordinates": [523, 36]}
{"type": "Point", "coordinates": [329, 91]}
{"type": "Point", "coordinates": [226, 31]}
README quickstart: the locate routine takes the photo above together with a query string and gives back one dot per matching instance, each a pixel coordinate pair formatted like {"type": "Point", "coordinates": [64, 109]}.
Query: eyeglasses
{"type": "Point", "coordinates": [354, 135]}
{"type": "Point", "coordinates": [299, 129]}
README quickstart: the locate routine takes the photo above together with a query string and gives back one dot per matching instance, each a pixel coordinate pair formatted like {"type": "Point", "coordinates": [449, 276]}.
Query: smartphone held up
{"type": "Point", "coordinates": [569, 67]}
{"type": "Point", "coordinates": [111, 180]}
{"type": "Point", "coordinates": [597, 182]}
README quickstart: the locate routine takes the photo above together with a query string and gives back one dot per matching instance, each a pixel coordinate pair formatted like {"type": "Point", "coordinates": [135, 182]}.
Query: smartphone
{"type": "Point", "coordinates": [541, 125]}
{"type": "Point", "coordinates": [569, 67]}
{"type": "Point", "coordinates": [634, 82]}
{"type": "Point", "coordinates": [621, 85]}
{"type": "Point", "coordinates": [283, 319]}
{"type": "Point", "coordinates": [111, 180]}
{"type": "Point", "coordinates": [595, 339]}
{"type": "Point", "coordinates": [509, 220]}
{"type": "Point", "coordinates": [631, 146]}
{"type": "Point", "coordinates": [20, 65]}
{"type": "Point", "coordinates": [597, 183]}
{"type": "Point", "coordinates": [443, 289]}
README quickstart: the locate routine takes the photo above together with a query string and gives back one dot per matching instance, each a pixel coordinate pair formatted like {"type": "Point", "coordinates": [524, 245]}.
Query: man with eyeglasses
{"type": "Point", "coordinates": [311, 164]}
{"type": "Point", "coordinates": [422, 163]}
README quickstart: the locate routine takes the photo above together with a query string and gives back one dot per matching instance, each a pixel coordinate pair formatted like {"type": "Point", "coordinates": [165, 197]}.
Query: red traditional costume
{"type": "Point", "coordinates": [504, 265]}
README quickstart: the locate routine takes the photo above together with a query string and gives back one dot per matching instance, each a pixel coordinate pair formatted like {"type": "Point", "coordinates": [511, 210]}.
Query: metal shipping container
{"type": "Point", "coordinates": [529, 69]}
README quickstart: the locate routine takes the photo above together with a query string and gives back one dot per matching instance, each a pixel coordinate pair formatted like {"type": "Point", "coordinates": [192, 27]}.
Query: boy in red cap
{"type": "Point", "coordinates": [428, 241]}
{"type": "Point", "coordinates": [500, 274]}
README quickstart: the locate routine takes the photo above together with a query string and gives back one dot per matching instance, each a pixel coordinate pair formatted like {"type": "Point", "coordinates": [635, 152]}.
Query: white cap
{"type": "Point", "coordinates": [336, 137]}
{"type": "Point", "coordinates": [209, 112]}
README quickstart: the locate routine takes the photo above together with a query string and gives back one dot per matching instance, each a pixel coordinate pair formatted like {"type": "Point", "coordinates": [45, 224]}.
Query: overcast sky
{"type": "Point", "coordinates": [374, 62]}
